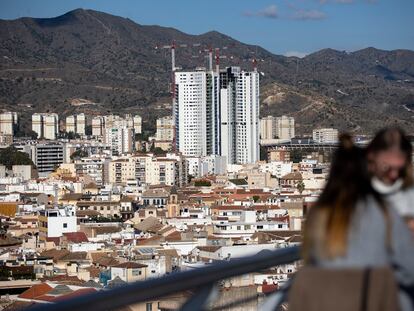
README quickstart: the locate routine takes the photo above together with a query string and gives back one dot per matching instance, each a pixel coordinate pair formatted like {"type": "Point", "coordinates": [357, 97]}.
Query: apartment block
{"type": "Point", "coordinates": [325, 136]}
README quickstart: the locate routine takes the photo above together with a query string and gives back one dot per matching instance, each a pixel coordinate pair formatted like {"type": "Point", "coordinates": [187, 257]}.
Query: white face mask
{"type": "Point", "coordinates": [383, 188]}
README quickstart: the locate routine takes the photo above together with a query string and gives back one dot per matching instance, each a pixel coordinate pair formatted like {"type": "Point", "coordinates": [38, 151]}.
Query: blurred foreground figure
{"type": "Point", "coordinates": [357, 250]}
{"type": "Point", "coordinates": [390, 164]}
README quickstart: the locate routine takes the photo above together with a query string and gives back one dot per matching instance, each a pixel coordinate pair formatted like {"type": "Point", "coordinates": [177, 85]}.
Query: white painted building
{"type": "Point", "coordinates": [267, 128]}
{"type": "Point", "coordinates": [71, 124]}
{"type": "Point", "coordinates": [277, 168]}
{"type": "Point", "coordinates": [246, 229]}
{"type": "Point", "coordinates": [148, 169]}
{"type": "Point", "coordinates": [285, 127]}
{"type": "Point", "coordinates": [239, 115]}
{"type": "Point", "coordinates": [191, 112]}
{"type": "Point", "coordinates": [8, 121]}
{"type": "Point", "coordinates": [37, 124]}
{"type": "Point", "coordinates": [120, 139]}
{"type": "Point", "coordinates": [54, 222]}
{"type": "Point", "coordinates": [23, 171]}
{"type": "Point", "coordinates": [165, 129]}
{"type": "Point", "coordinates": [217, 113]}
{"type": "Point", "coordinates": [45, 155]}
{"type": "Point", "coordinates": [137, 124]}
{"type": "Point", "coordinates": [80, 124]}
{"type": "Point", "coordinates": [94, 166]}
{"type": "Point", "coordinates": [50, 126]}
{"type": "Point", "coordinates": [98, 125]}
{"type": "Point", "coordinates": [325, 136]}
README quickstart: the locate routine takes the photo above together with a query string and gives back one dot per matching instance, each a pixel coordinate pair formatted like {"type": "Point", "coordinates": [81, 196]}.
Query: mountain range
{"type": "Point", "coordinates": [97, 63]}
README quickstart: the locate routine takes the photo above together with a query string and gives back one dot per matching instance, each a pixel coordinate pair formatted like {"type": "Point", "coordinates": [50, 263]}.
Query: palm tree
{"type": "Point", "coordinates": [300, 186]}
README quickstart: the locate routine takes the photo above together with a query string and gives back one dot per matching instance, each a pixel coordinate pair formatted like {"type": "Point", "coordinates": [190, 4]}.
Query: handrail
{"type": "Point", "coordinates": [173, 283]}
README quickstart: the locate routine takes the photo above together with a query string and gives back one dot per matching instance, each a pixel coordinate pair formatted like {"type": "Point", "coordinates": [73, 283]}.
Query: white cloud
{"type": "Point", "coordinates": [269, 12]}
{"type": "Point", "coordinates": [309, 15]}
{"type": "Point", "coordinates": [296, 54]}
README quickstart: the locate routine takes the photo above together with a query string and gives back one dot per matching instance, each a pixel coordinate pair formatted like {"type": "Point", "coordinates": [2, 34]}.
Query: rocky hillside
{"type": "Point", "coordinates": [93, 62]}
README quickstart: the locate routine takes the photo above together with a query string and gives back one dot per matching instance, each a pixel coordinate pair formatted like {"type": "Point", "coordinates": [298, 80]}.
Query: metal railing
{"type": "Point", "coordinates": [201, 280]}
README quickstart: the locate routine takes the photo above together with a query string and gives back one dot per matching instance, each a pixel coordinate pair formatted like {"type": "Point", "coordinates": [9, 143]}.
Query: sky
{"type": "Point", "coordinates": [287, 27]}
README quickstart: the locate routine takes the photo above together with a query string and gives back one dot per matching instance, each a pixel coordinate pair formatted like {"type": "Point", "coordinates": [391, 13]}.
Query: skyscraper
{"type": "Point", "coordinates": [217, 113]}
{"type": "Point", "coordinates": [195, 112]}
{"type": "Point", "coordinates": [239, 115]}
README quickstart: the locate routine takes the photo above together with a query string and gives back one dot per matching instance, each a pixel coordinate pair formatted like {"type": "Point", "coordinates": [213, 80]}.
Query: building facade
{"type": "Point", "coordinates": [98, 125]}
{"type": "Point", "coordinates": [239, 103]}
{"type": "Point", "coordinates": [165, 129]}
{"type": "Point", "coordinates": [285, 127]}
{"type": "Point", "coordinates": [71, 124]}
{"type": "Point", "coordinates": [120, 139]}
{"type": "Point", "coordinates": [217, 113]}
{"type": "Point", "coordinates": [267, 128]}
{"type": "Point", "coordinates": [54, 222]}
{"type": "Point", "coordinates": [325, 136]}
{"type": "Point", "coordinates": [46, 125]}
{"type": "Point", "coordinates": [8, 123]}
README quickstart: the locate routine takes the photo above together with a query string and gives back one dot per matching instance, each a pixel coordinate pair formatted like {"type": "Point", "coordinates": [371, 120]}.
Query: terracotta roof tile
{"type": "Point", "coordinates": [76, 237]}
{"type": "Point", "coordinates": [55, 254]}
{"type": "Point", "coordinates": [36, 291]}
{"type": "Point", "coordinates": [130, 265]}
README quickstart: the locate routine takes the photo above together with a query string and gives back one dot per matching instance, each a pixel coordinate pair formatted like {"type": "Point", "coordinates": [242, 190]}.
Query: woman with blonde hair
{"type": "Point", "coordinates": [351, 228]}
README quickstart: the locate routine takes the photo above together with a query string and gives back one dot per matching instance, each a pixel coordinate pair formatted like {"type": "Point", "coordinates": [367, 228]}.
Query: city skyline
{"type": "Point", "coordinates": [292, 28]}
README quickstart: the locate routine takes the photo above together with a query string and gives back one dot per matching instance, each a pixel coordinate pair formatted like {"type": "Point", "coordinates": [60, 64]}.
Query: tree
{"type": "Point", "coordinates": [202, 183]}
{"type": "Point", "coordinates": [296, 155]}
{"type": "Point", "coordinates": [300, 186]}
{"type": "Point", "coordinates": [158, 151]}
{"type": "Point", "coordinates": [256, 198]}
{"type": "Point", "coordinates": [11, 156]}
{"type": "Point", "coordinates": [78, 154]}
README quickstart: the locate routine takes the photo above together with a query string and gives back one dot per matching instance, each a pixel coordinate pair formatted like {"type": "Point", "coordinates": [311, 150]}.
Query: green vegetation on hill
{"type": "Point", "coordinates": [11, 156]}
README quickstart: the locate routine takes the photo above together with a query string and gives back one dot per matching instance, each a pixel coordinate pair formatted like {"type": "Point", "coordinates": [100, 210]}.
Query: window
{"type": "Point", "coordinates": [65, 225]}
{"type": "Point", "coordinates": [149, 306]}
